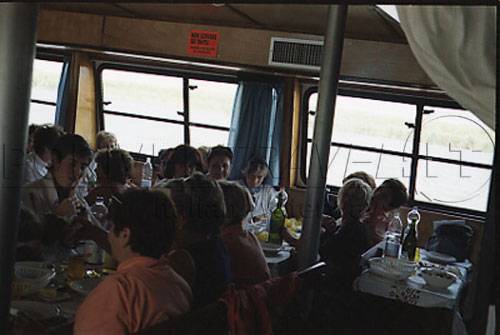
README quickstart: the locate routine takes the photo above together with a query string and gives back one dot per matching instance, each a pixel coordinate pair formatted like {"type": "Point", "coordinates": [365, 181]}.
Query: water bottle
{"type": "Point", "coordinates": [392, 247]}
{"type": "Point", "coordinates": [99, 212]}
{"type": "Point", "coordinates": [147, 174]}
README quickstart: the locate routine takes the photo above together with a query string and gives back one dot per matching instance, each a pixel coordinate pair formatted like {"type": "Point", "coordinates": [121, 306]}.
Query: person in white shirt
{"type": "Point", "coordinates": [264, 196]}
{"type": "Point", "coordinates": [40, 158]}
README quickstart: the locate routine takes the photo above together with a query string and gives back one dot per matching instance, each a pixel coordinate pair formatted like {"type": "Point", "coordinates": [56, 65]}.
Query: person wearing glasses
{"type": "Point", "coordinates": [145, 290]}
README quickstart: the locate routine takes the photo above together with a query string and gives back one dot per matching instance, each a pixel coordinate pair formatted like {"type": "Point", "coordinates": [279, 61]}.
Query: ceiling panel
{"type": "Point", "coordinates": [363, 22]}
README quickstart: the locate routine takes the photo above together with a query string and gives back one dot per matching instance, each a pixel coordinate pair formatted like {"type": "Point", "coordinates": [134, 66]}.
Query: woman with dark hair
{"type": "Point", "coordinates": [389, 196]}
{"type": "Point", "coordinates": [200, 203]}
{"type": "Point", "coordinates": [183, 162]}
{"type": "Point", "coordinates": [219, 162]}
{"type": "Point", "coordinates": [113, 173]}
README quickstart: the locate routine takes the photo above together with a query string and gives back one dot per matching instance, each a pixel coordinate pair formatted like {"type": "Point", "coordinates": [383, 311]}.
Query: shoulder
{"type": "Point", "coordinates": [102, 311]}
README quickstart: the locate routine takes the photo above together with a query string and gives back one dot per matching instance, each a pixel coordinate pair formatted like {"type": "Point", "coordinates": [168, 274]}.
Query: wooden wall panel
{"type": "Point", "coordinates": [86, 116]}
{"type": "Point", "coordinates": [70, 28]}
{"type": "Point", "coordinates": [390, 62]}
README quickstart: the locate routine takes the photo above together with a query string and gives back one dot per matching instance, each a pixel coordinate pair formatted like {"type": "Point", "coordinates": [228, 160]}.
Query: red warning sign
{"type": "Point", "coordinates": [203, 43]}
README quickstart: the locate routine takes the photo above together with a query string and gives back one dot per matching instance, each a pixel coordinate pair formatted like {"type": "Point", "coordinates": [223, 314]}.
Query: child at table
{"type": "Point", "coordinates": [389, 196]}
{"type": "Point", "coordinates": [248, 263]}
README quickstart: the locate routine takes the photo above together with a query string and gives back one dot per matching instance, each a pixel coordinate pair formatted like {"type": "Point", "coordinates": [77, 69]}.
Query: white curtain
{"type": "Point", "coordinates": [456, 48]}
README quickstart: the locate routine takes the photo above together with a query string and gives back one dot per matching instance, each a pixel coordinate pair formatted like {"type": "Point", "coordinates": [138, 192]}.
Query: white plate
{"type": "Point", "coordinates": [388, 274]}
{"type": "Point", "coordinates": [34, 309]}
{"type": "Point", "coordinates": [84, 286]}
{"type": "Point", "coordinates": [437, 257]}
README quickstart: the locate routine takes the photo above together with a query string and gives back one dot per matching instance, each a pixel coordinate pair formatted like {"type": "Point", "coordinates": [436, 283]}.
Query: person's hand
{"type": "Point", "coordinates": [66, 208]}
{"type": "Point", "coordinates": [288, 238]}
{"type": "Point", "coordinates": [328, 223]}
{"type": "Point", "coordinates": [260, 218]}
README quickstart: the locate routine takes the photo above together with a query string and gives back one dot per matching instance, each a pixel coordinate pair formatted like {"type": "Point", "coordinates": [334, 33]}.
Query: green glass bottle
{"type": "Point", "coordinates": [410, 242]}
{"type": "Point", "coordinates": [277, 222]}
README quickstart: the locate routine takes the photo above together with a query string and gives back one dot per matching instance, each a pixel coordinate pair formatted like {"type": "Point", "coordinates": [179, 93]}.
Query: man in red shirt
{"type": "Point", "coordinates": [145, 290]}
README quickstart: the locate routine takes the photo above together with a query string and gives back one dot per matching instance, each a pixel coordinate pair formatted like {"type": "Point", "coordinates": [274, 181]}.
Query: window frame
{"type": "Point", "coordinates": [47, 55]}
{"type": "Point", "coordinates": [423, 104]}
{"type": "Point", "coordinates": [185, 75]}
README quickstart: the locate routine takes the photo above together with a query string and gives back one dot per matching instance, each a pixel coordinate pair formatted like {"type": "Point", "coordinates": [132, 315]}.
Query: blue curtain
{"type": "Point", "coordinates": [256, 127]}
{"type": "Point", "coordinates": [62, 96]}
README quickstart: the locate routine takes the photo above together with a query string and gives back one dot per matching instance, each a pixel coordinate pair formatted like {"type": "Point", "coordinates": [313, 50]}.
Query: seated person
{"type": "Point", "coordinates": [183, 162]}
{"type": "Point", "coordinates": [332, 208]}
{"type": "Point", "coordinates": [342, 251]}
{"type": "Point", "coordinates": [31, 131]}
{"type": "Point", "coordinates": [389, 196]}
{"type": "Point", "coordinates": [57, 192]}
{"type": "Point", "coordinates": [39, 160]}
{"type": "Point", "coordinates": [159, 170]}
{"type": "Point", "coordinates": [29, 236]}
{"type": "Point", "coordinates": [104, 141]}
{"type": "Point", "coordinates": [342, 248]}
{"type": "Point", "coordinates": [264, 196]}
{"type": "Point", "coordinates": [248, 263]}
{"type": "Point", "coordinates": [41, 240]}
{"type": "Point", "coordinates": [200, 205]}
{"type": "Point", "coordinates": [144, 290]}
{"type": "Point", "coordinates": [113, 172]}
{"type": "Point", "coordinates": [219, 162]}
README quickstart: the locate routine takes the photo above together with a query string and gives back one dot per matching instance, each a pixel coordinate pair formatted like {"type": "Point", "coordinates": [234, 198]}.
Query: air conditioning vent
{"type": "Point", "coordinates": [295, 53]}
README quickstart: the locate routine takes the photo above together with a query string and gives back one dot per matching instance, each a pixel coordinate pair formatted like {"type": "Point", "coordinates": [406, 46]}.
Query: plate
{"type": "Point", "coordinates": [84, 286]}
{"type": "Point", "coordinates": [271, 249]}
{"type": "Point", "coordinates": [438, 257]}
{"type": "Point", "coordinates": [388, 274]}
{"type": "Point", "coordinates": [36, 310]}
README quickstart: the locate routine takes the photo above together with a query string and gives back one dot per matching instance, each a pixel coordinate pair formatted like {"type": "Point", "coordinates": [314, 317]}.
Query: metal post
{"type": "Point", "coordinates": [18, 22]}
{"type": "Point", "coordinates": [329, 76]}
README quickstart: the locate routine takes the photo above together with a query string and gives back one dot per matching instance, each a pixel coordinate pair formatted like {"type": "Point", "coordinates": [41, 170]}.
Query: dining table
{"type": "Point", "coordinates": [439, 307]}
{"type": "Point", "coordinates": [51, 310]}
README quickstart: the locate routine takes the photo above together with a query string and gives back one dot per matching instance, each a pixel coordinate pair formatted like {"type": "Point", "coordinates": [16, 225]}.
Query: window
{"type": "Point", "coordinates": [450, 167]}
{"type": "Point", "coordinates": [46, 77]}
{"type": "Point", "coordinates": [152, 111]}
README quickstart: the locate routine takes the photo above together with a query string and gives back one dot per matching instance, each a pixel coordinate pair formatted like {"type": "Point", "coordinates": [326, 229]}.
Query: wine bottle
{"type": "Point", "coordinates": [277, 222]}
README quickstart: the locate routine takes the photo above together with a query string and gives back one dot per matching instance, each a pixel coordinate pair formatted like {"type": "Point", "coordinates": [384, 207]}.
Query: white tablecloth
{"type": "Point", "coordinates": [411, 291]}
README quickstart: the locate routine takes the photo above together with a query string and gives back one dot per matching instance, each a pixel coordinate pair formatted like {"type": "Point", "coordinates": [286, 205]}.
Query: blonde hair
{"type": "Point", "coordinates": [238, 201]}
{"type": "Point", "coordinates": [353, 199]}
{"type": "Point", "coordinates": [103, 138]}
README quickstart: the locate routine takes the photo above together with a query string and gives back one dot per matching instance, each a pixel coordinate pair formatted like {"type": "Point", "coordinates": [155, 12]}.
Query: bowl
{"type": "Point", "coordinates": [30, 277]}
{"type": "Point", "coordinates": [392, 268]}
{"type": "Point", "coordinates": [438, 278]}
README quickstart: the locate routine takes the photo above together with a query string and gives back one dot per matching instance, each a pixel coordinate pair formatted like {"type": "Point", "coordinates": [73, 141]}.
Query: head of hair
{"type": "Point", "coordinates": [183, 155]}
{"type": "Point", "coordinates": [71, 144]}
{"type": "Point", "coordinates": [32, 128]}
{"type": "Point", "coordinates": [115, 164]}
{"type": "Point", "coordinates": [45, 137]}
{"type": "Point", "coordinates": [391, 193]}
{"type": "Point", "coordinates": [220, 150]}
{"type": "Point", "coordinates": [200, 202]}
{"type": "Point", "coordinates": [151, 218]}
{"type": "Point", "coordinates": [353, 199]}
{"type": "Point", "coordinates": [103, 138]}
{"type": "Point", "coordinates": [363, 176]}
{"type": "Point", "coordinates": [255, 164]}
{"type": "Point", "coordinates": [238, 201]}
{"type": "Point", "coordinates": [164, 154]}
